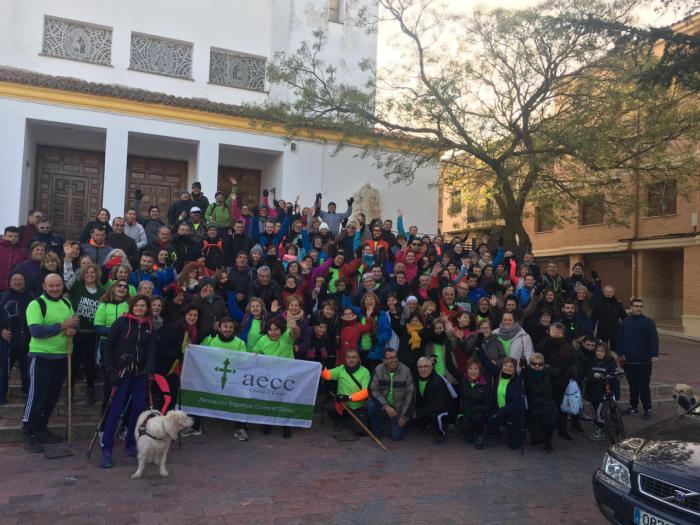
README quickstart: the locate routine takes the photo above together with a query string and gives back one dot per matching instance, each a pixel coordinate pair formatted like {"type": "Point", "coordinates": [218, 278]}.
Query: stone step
{"type": "Point", "coordinates": [83, 427]}
{"type": "Point", "coordinates": [15, 391]}
{"type": "Point", "coordinates": [14, 410]}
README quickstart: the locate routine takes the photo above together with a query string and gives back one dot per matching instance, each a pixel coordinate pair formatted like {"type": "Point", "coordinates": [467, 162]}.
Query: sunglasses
{"type": "Point", "coordinates": [122, 286]}
{"type": "Point", "coordinates": [415, 244]}
{"type": "Point", "coordinates": [537, 363]}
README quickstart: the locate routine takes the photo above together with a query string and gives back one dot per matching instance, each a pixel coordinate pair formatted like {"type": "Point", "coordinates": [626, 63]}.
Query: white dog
{"type": "Point", "coordinates": [685, 396]}
{"type": "Point", "coordinates": [154, 433]}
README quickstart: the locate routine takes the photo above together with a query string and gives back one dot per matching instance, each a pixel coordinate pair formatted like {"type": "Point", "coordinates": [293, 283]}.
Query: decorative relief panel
{"type": "Point", "coordinates": [229, 68]}
{"type": "Point", "coordinates": [161, 56]}
{"type": "Point", "coordinates": [77, 41]}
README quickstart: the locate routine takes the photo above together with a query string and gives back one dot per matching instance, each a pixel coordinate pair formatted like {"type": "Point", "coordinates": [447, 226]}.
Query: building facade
{"type": "Point", "coordinates": [653, 254]}
{"type": "Point", "coordinates": [100, 99]}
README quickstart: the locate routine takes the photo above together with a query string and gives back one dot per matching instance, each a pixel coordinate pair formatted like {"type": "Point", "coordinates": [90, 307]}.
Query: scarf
{"type": "Point", "coordinates": [157, 322]}
{"type": "Point", "coordinates": [508, 333]}
{"type": "Point", "coordinates": [413, 330]}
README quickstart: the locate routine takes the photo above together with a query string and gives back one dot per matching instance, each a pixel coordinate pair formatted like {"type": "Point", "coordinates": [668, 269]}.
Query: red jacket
{"type": "Point", "coordinates": [10, 255]}
{"type": "Point", "coordinates": [350, 334]}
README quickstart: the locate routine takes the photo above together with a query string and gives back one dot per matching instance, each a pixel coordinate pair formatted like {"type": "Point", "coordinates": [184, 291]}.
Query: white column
{"type": "Point", "coordinates": [114, 187]}
{"type": "Point", "coordinates": [208, 167]}
{"type": "Point", "coordinates": [15, 189]}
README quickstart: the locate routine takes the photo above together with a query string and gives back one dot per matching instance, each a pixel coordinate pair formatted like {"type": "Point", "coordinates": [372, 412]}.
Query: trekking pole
{"type": "Point", "coordinates": [69, 354]}
{"type": "Point", "coordinates": [362, 425]}
{"type": "Point", "coordinates": [112, 393]}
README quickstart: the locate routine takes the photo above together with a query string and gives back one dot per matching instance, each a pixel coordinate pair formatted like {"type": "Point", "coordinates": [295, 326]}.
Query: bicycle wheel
{"type": "Point", "coordinates": [614, 427]}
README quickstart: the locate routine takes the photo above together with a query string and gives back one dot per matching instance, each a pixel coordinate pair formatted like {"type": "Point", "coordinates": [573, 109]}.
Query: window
{"type": "Point", "coordinates": [591, 210]}
{"type": "Point", "coordinates": [485, 210]}
{"type": "Point", "coordinates": [334, 11]}
{"type": "Point", "coordinates": [455, 203]}
{"type": "Point", "coordinates": [661, 198]}
{"type": "Point", "coordinates": [544, 219]}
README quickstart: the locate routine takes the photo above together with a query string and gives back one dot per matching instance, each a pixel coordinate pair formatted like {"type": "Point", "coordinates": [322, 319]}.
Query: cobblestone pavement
{"type": "Point", "coordinates": [314, 478]}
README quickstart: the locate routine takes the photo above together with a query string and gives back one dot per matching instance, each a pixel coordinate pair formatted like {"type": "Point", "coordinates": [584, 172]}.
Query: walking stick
{"type": "Point", "coordinates": [104, 416]}
{"type": "Point", "coordinates": [362, 425]}
{"type": "Point", "coordinates": [69, 355]}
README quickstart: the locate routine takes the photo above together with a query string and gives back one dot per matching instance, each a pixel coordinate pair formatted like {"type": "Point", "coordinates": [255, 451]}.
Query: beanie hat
{"type": "Point", "coordinates": [256, 248]}
{"type": "Point", "coordinates": [206, 281]}
{"type": "Point", "coordinates": [323, 226]}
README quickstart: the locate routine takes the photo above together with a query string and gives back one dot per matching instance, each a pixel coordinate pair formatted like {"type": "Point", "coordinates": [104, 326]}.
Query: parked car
{"type": "Point", "coordinates": [653, 477]}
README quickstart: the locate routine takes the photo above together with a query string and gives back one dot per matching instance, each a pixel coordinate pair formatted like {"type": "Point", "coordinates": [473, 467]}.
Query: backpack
{"type": "Point", "coordinates": [42, 304]}
{"type": "Point", "coordinates": [572, 402]}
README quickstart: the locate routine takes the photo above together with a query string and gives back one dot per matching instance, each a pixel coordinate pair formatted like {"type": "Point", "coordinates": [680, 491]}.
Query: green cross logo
{"type": "Point", "coordinates": [224, 372]}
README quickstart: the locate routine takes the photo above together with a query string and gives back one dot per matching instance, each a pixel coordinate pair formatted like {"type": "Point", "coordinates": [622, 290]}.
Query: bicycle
{"type": "Point", "coordinates": [612, 415]}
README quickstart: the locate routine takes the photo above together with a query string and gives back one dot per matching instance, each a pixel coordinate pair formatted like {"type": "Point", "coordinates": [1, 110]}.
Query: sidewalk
{"type": "Point", "coordinates": [679, 362]}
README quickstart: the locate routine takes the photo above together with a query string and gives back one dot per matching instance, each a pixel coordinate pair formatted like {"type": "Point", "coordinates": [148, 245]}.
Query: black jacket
{"type": "Point", "coordinates": [267, 293]}
{"type": "Point", "coordinates": [476, 397]}
{"type": "Point", "coordinates": [13, 317]}
{"type": "Point", "coordinates": [130, 340]}
{"type": "Point", "coordinates": [607, 315]}
{"type": "Point", "coordinates": [123, 242]}
{"type": "Point", "coordinates": [434, 399]}
{"type": "Point", "coordinates": [177, 209]}
{"type": "Point", "coordinates": [186, 250]}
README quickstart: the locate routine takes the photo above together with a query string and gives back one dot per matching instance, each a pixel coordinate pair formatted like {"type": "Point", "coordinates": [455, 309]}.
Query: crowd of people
{"type": "Point", "coordinates": [411, 331]}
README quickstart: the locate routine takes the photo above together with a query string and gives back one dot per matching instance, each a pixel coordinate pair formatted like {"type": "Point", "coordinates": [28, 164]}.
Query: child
{"type": "Point", "coordinates": [350, 332]}
{"type": "Point", "coordinates": [604, 364]}
{"type": "Point", "coordinates": [321, 348]}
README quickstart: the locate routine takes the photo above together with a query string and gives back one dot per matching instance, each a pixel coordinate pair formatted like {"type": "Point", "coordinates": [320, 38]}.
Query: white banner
{"type": "Point", "coordinates": [247, 387]}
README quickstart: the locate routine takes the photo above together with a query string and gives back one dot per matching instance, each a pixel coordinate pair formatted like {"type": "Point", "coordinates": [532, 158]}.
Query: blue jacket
{"type": "Point", "coordinates": [638, 340]}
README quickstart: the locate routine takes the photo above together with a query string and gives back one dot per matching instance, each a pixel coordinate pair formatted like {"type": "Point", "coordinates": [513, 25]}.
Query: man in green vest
{"type": "Point", "coordinates": [352, 394]}
{"type": "Point", "coordinates": [51, 322]}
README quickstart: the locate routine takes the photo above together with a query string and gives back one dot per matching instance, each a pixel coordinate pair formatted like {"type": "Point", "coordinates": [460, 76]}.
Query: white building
{"type": "Point", "coordinates": [98, 99]}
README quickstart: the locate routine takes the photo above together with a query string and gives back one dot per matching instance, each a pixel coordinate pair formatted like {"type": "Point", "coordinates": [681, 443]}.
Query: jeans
{"type": "Point", "coordinates": [639, 377]}
{"type": "Point", "coordinates": [377, 417]}
{"type": "Point", "coordinates": [135, 386]}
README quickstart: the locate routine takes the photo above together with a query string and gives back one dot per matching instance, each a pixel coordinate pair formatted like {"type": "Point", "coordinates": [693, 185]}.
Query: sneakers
{"type": "Point", "coordinates": [479, 442]}
{"type": "Point", "coordinates": [631, 411]}
{"type": "Point", "coordinates": [31, 444]}
{"type": "Point", "coordinates": [106, 459]}
{"type": "Point", "coordinates": [240, 434]}
{"type": "Point", "coordinates": [48, 437]}
{"type": "Point", "coordinates": [548, 447]}
{"type": "Point", "coordinates": [599, 434]}
{"type": "Point", "coordinates": [131, 451]}
{"type": "Point", "coordinates": [191, 432]}
{"type": "Point", "coordinates": [647, 414]}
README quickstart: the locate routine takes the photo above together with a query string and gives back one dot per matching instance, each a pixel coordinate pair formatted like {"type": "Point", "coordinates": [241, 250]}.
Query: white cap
{"type": "Point", "coordinates": [323, 226]}
{"type": "Point", "coordinates": [195, 209]}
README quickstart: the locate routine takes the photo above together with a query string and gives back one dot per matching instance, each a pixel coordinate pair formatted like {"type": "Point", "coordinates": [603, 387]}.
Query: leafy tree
{"type": "Point", "coordinates": [534, 105]}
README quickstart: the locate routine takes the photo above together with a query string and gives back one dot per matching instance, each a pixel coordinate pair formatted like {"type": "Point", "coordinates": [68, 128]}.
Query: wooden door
{"type": "Point", "coordinates": [160, 180]}
{"type": "Point", "coordinates": [69, 187]}
{"type": "Point", "coordinates": [248, 184]}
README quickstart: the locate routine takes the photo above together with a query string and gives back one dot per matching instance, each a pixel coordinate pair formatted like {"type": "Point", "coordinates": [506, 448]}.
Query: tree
{"type": "Point", "coordinates": [521, 106]}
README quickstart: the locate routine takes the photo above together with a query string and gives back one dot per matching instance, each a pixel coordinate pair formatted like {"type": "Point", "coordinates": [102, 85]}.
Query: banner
{"type": "Point", "coordinates": [247, 387]}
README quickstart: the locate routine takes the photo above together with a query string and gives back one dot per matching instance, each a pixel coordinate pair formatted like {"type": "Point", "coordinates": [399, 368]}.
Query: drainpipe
{"type": "Point", "coordinates": [635, 224]}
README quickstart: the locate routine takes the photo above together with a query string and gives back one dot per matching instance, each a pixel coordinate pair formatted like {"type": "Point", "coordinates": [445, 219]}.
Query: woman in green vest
{"type": "Point", "coordinates": [113, 304]}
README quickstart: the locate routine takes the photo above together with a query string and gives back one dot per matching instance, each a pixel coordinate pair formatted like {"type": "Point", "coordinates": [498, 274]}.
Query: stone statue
{"type": "Point", "coordinates": [367, 202]}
